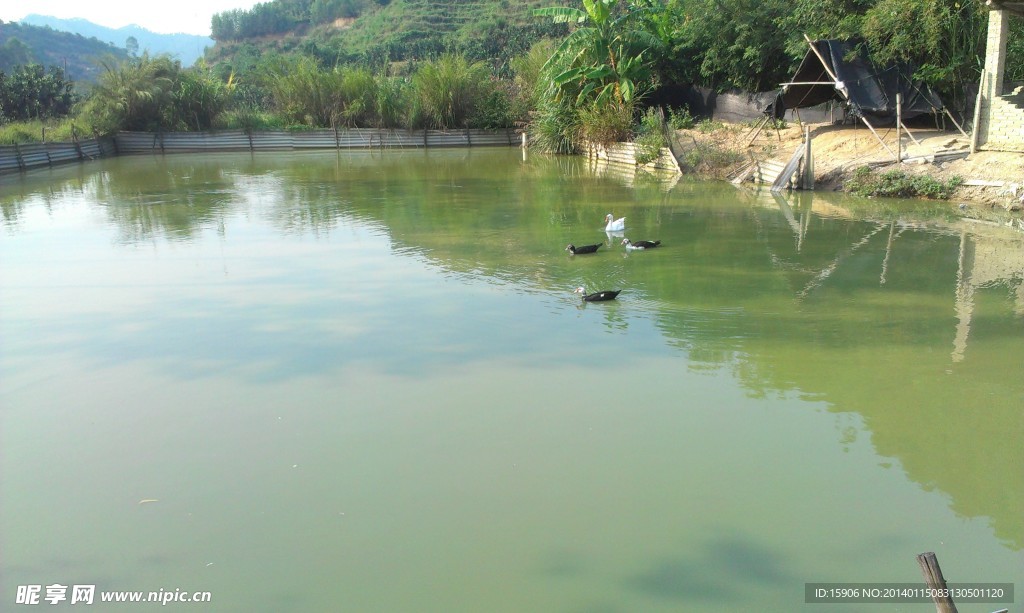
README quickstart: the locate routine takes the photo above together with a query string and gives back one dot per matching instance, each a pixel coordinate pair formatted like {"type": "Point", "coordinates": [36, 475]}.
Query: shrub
{"type": "Point", "coordinates": [554, 126]}
{"type": "Point", "coordinates": [680, 119]}
{"type": "Point", "coordinates": [449, 89]}
{"type": "Point", "coordinates": [494, 112]}
{"type": "Point", "coordinates": [649, 137]}
{"type": "Point", "coordinates": [604, 124]}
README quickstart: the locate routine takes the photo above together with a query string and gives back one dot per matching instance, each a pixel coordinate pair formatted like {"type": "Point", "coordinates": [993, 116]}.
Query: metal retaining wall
{"type": "Point", "coordinates": [357, 138]}
{"type": "Point", "coordinates": [16, 158]}
{"type": "Point", "coordinates": [25, 157]}
{"type": "Point", "coordinates": [625, 153]}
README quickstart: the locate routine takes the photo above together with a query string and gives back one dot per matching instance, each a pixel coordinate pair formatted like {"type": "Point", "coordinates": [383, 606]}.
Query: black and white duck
{"type": "Point", "coordinates": [597, 296]}
{"type": "Point", "coordinates": [638, 245]}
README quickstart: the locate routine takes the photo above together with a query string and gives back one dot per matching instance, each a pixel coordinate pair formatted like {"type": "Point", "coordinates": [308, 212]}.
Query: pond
{"type": "Point", "coordinates": [361, 381]}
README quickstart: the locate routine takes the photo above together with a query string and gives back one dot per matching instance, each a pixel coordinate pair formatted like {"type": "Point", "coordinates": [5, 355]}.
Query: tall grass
{"type": "Point", "coordinates": [449, 89]}
{"type": "Point", "coordinates": [604, 124]}
{"type": "Point", "coordinates": [51, 130]}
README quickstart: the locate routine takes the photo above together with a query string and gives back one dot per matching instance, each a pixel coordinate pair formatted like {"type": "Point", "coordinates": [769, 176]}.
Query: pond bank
{"type": "Point", "coordinates": [994, 181]}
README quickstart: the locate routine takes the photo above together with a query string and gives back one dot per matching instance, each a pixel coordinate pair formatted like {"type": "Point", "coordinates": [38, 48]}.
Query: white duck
{"type": "Point", "coordinates": [614, 225]}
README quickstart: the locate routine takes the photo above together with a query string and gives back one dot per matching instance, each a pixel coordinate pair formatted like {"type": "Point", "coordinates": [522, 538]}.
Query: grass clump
{"type": "Point", "coordinates": [604, 124]}
{"type": "Point", "coordinates": [899, 184]}
{"type": "Point", "coordinates": [649, 138]}
{"type": "Point", "coordinates": [710, 158]}
{"type": "Point", "coordinates": [707, 126]}
{"type": "Point", "coordinates": [680, 119]}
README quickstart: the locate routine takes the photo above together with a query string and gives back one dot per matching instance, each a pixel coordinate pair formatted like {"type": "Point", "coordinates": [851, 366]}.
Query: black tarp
{"type": "Point", "coordinates": [870, 90]}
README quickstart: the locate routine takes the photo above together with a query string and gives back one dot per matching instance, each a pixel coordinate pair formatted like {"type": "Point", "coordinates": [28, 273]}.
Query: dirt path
{"type": "Point", "coordinates": [839, 150]}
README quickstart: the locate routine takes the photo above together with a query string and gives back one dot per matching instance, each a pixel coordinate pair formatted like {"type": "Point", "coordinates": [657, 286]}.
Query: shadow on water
{"type": "Point", "coordinates": [720, 569]}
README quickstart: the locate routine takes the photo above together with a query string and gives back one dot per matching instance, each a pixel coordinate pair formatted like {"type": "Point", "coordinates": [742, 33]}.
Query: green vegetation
{"type": "Point", "coordinates": [595, 77]}
{"type": "Point", "coordinates": [78, 57]}
{"type": "Point", "coordinates": [899, 184]}
{"type": "Point", "coordinates": [154, 94]}
{"type": "Point", "coordinates": [680, 119]}
{"type": "Point", "coordinates": [33, 92]}
{"type": "Point", "coordinates": [650, 137]}
{"type": "Point", "coordinates": [572, 72]}
{"type": "Point", "coordinates": [449, 91]}
{"type": "Point", "coordinates": [36, 130]}
{"type": "Point", "coordinates": [708, 158]}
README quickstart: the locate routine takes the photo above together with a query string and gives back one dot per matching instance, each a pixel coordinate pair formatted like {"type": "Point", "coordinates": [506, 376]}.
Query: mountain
{"type": "Point", "coordinates": [79, 56]}
{"type": "Point", "coordinates": [185, 47]}
{"type": "Point", "coordinates": [353, 31]}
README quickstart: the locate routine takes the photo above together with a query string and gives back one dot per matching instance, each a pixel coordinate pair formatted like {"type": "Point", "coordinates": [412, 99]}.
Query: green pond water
{"type": "Point", "coordinates": [361, 382]}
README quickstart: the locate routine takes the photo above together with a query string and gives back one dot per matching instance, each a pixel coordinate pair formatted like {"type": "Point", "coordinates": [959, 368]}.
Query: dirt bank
{"type": "Point", "coordinates": [839, 150]}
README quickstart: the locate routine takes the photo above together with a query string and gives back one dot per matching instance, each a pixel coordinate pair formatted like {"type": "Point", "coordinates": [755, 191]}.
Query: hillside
{"type": "Point", "coordinates": [80, 56]}
{"type": "Point", "coordinates": [412, 29]}
{"type": "Point", "coordinates": [185, 47]}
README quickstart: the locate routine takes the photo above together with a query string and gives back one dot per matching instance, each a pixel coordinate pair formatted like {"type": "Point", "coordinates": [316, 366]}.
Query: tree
{"type": "Point", "coordinates": [733, 43]}
{"type": "Point", "coordinates": [1015, 50]}
{"type": "Point", "coordinates": [33, 92]}
{"type": "Point", "coordinates": [945, 39]}
{"type": "Point", "coordinates": [131, 45]}
{"type": "Point", "coordinates": [154, 93]}
{"type": "Point", "coordinates": [821, 19]}
{"type": "Point", "coordinates": [15, 52]}
{"type": "Point", "coordinates": [602, 60]}
{"type": "Point", "coordinates": [132, 95]}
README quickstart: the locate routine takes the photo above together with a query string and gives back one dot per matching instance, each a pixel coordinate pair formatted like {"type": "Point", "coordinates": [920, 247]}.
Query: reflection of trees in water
{"type": "Point", "coordinates": [873, 339]}
{"type": "Point", "coordinates": [172, 197]}
{"type": "Point", "coordinates": [900, 320]}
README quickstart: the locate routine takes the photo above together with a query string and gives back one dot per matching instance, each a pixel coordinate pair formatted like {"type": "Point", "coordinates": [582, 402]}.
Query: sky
{"type": "Point", "coordinates": [184, 16]}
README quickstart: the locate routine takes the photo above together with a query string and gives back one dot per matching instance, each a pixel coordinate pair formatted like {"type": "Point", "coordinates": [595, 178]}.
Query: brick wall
{"type": "Point", "coordinates": [1001, 120]}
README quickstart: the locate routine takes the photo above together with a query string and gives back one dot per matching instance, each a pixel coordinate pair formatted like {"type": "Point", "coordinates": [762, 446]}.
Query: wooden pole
{"type": "Point", "coordinates": [933, 577]}
{"type": "Point", "coordinates": [977, 113]}
{"type": "Point", "coordinates": [870, 127]}
{"type": "Point", "coordinates": [951, 118]}
{"type": "Point", "coordinates": [907, 130]}
{"type": "Point", "coordinates": [899, 131]}
{"type": "Point", "coordinates": [835, 80]}
{"type": "Point", "coordinates": [808, 178]}
{"type": "Point", "coordinates": [759, 126]}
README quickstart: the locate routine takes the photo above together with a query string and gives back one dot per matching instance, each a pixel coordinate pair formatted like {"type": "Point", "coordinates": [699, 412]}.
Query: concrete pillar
{"type": "Point", "coordinates": [995, 52]}
{"type": "Point", "coordinates": [992, 81]}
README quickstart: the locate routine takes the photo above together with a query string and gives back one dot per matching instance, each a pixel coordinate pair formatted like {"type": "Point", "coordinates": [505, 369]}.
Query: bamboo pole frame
{"type": "Point", "coordinates": [835, 80]}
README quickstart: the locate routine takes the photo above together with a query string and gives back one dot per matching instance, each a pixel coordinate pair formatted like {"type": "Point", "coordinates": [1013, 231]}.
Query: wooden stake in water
{"type": "Point", "coordinates": [933, 577]}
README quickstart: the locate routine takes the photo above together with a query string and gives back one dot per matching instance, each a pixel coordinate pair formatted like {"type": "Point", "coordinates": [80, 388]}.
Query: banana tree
{"type": "Point", "coordinates": [603, 59]}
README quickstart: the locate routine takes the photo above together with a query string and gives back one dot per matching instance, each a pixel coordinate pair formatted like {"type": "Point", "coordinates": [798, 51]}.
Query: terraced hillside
{"type": "Point", "coordinates": [413, 29]}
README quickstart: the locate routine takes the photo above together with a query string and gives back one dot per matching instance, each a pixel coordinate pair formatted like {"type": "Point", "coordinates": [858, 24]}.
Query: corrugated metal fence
{"type": "Point", "coordinates": [17, 158]}
{"type": "Point", "coordinates": [356, 138]}
{"type": "Point", "coordinates": [625, 153]}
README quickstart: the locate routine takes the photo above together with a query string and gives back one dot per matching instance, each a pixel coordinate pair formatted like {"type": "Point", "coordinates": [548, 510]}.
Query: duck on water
{"type": "Point", "coordinates": [614, 225]}
{"type": "Point", "coordinates": [601, 296]}
{"type": "Point", "coordinates": [574, 250]}
{"type": "Point", "coordinates": [631, 246]}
